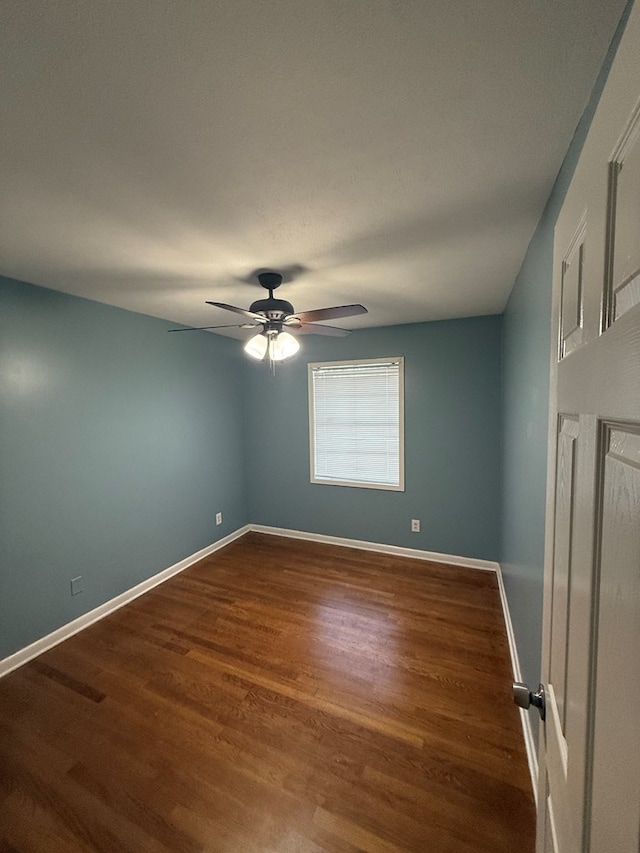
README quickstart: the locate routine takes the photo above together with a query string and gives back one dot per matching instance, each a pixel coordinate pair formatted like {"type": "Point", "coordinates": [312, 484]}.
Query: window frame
{"type": "Point", "coordinates": [353, 362]}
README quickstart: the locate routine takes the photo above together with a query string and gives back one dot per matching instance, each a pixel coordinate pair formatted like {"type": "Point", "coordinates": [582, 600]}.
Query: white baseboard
{"type": "Point", "coordinates": [525, 718]}
{"type": "Point", "coordinates": [36, 648]}
{"type": "Point", "coordinates": [65, 631]}
{"type": "Point", "coordinates": [397, 550]}
{"type": "Point", "coordinates": [31, 651]}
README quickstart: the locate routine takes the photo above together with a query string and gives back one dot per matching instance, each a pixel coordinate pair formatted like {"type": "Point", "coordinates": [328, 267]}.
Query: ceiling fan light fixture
{"type": "Point", "coordinates": [272, 343]}
{"type": "Point", "coordinates": [283, 345]}
{"type": "Point", "coordinates": [256, 346]}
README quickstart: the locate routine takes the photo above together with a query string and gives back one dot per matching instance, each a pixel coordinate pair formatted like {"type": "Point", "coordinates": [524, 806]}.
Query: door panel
{"type": "Point", "coordinates": [624, 221]}
{"type": "Point", "coordinates": [571, 300]}
{"type": "Point", "coordinates": [616, 749]}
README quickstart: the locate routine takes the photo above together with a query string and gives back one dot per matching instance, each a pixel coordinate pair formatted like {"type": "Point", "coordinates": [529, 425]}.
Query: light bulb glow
{"type": "Point", "coordinates": [276, 346]}
{"type": "Point", "coordinates": [256, 346]}
{"type": "Point", "coordinates": [282, 346]}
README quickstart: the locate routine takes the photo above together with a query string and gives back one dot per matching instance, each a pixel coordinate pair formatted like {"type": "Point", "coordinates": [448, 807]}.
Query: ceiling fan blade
{"type": "Point", "coordinates": [202, 328]}
{"type": "Point", "coordinates": [330, 313]}
{"type": "Point", "coordinates": [312, 329]}
{"type": "Point", "coordinates": [258, 317]}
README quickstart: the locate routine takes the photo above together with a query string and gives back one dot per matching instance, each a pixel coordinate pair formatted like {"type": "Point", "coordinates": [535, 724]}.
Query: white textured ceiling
{"type": "Point", "coordinates": [398, 153]}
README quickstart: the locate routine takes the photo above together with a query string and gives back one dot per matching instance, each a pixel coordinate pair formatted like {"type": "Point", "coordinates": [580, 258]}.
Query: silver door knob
{"type": "Point", "coordinates": [524, 698]}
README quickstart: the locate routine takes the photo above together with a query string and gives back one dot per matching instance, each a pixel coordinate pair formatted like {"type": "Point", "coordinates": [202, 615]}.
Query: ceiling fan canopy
{"type": "Point", "coordinates": [278, 319]}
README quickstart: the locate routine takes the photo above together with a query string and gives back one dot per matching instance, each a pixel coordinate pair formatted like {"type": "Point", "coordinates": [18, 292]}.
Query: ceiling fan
{"type": "Point", "coordinates": [274, 342]}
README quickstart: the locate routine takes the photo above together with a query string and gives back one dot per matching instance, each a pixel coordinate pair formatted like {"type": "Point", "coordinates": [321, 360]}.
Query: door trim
{"type": "Point", "coordinates": [525, 717]}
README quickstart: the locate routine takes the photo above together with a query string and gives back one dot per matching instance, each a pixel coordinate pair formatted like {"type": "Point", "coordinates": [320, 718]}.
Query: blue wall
{"type": "Point", "coordinates": [452, 441]}
{"type": "Point", "coordinates": [527, 345]}
{"type": "Point", "coordinates": [118, 444]}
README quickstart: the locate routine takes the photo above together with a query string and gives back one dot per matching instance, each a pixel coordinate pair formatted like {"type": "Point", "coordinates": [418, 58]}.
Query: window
{"type": "Point", "coordinates": [356, 423]}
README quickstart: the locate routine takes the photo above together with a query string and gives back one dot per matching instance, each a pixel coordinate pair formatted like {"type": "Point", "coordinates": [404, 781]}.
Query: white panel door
{"type": "Point", "coordinates": [589, 795]}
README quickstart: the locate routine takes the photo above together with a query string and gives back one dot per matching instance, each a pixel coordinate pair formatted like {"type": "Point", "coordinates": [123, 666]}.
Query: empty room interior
{"type": "Point", "coordinates": [319, 426]}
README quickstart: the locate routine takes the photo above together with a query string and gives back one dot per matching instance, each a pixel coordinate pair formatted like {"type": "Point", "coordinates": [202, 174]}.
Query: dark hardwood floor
{"type": "Point", "coordinates": [279, 696]}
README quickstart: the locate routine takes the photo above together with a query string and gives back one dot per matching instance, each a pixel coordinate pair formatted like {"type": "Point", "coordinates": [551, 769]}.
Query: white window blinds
{"type": "Point", "coordinates": [356, 414]}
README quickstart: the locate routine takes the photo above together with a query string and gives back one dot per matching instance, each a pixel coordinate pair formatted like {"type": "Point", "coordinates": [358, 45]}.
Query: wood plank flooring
{"type": "Point", "coordinates": [278, 697]}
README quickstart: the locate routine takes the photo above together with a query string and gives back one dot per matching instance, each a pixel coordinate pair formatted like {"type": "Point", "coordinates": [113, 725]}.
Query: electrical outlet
{"type": "Point", "coordinates": [76, 585]}
{"type": "Point", "coordinates": [415, 525]}
{"type": "Point", "coordinates": [218, 518]}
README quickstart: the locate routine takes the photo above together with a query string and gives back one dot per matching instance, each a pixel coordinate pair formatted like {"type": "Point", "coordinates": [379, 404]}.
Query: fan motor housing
{"type": "Point", "coordinates": [271, 308]}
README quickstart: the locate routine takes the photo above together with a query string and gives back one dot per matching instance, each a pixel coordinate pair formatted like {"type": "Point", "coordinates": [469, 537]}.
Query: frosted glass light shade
{"type": "Point", "coordinates": [256, 346]}
{"type": "Point", "coordinates": [283, 346]}
{"type": "Point", "coordinates": [277, 346]}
